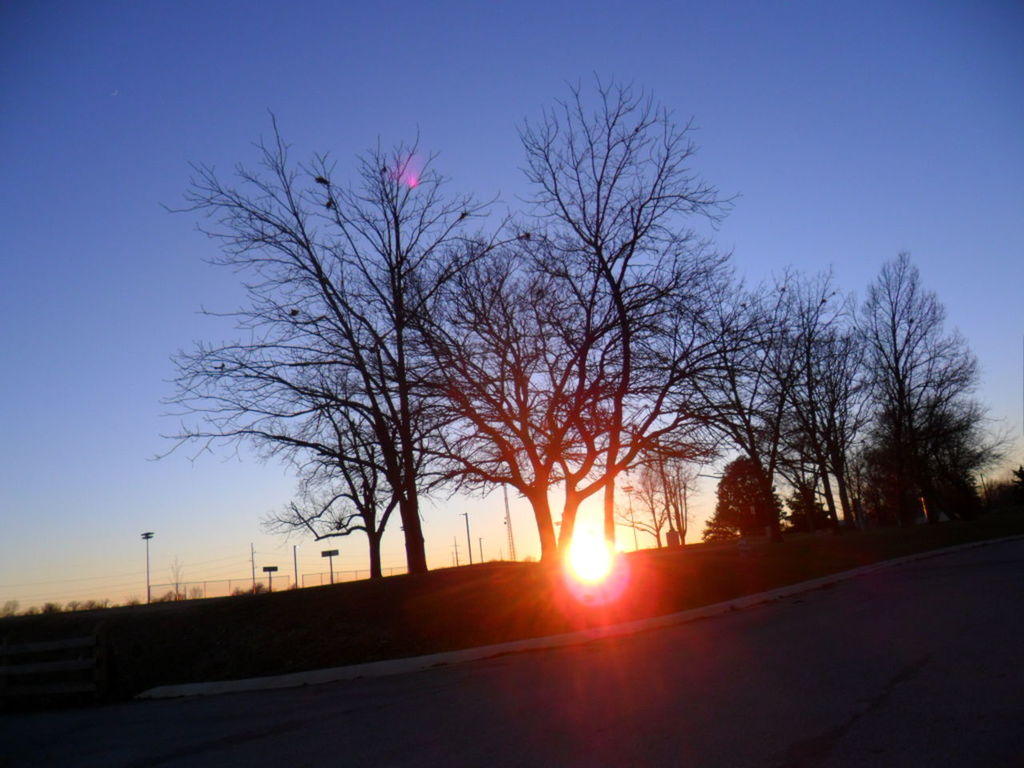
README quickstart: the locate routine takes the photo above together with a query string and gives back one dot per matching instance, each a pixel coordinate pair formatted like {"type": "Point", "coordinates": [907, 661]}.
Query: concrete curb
{"type": "Point", "coordinates": [417, 663]}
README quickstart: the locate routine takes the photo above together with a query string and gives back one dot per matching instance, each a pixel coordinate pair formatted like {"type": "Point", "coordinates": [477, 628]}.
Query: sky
{"type": "Point", "coordinates": [847, 131]}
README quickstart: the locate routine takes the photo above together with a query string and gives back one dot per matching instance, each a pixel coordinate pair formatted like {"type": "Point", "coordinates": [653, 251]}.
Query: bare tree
{"type": "Point", "coordinates": [178, 578]}
{"type": "Point", "coordinates": [504, 355]}
{"type": "Point", "coordinates": [345, 493]}
{"type": "Point", "coordinates": [334, 277]}
{"type": "Point", "coordinates": [570, 354]}
{"type": "Point", "coordinates": [926, 439]}
{"type": "Point", "coordinates": [614, 185]}
{"type": "Point", "coordinates": [675, 480]}
{"type": "Point", "coordinates": [826, 406]}
{"type": "Point", "coordinates": [659, 498]}
{"type": "Point", "coordinates": [759, 363]}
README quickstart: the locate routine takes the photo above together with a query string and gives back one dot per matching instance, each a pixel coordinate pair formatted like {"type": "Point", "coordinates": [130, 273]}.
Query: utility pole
{"type": "Point", "coordinates": [632, 521]}
{"type": "Point", "coordinates": [455, 544]}
{"type": "Point", "coordinates": [481, 549]}
{"type": "Point", "coordinates": [146, 537]}
{"type": "Point", "coordinates": [295, 562]}
{"type": "Point", "coordinates": [252, 560]}
{"type": "Point", "coordinates": [469, 541]}
{"type": "Point", "coordinates": [508, 527]}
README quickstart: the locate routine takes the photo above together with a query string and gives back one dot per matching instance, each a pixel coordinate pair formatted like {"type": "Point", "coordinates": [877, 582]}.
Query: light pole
{"type": "Point", "coordinates": [632, 521]}
{"type": "Point", "coordinates": [146, 537]}
{"type": "Point", "coordinates": [469, 541]}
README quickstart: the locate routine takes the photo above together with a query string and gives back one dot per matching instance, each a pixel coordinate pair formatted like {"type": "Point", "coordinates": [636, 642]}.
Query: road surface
{"type": "Point", "coordinates": [920, 664]}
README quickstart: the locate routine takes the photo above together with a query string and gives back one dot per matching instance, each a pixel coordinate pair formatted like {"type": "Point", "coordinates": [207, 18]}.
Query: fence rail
{"type": "Point", "coordinates": [319, 579]}
{"type": "Point", "coordinates": [192, 590]}
{"type": "Point", "coordinates": [52, 668]}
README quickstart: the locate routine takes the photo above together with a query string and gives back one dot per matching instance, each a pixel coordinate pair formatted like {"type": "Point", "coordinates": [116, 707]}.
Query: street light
{"type": "Point", "coordinates": [146, 537]}
{"type": "Point", "coordinates": [632, 521]}
{"type": "Point", "coordinates": [469, 541]}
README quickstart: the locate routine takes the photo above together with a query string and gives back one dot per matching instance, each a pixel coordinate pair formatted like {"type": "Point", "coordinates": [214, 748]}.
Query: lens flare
{"type": "Point", "coordinates": [590, 559]}
{"type": "Point", "coordinates": [408, 171]}
{"type": "Point", "coordinates": [594, 574]}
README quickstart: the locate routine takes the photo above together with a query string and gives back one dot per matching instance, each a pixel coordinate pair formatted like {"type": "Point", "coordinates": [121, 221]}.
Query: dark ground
{"type": "Point", "coordinates": [255, 635]}
{"type": "Point", "coordinates": [912, 665]}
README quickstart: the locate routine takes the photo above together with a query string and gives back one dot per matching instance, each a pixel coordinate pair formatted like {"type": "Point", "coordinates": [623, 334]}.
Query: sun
{"type": "Point", "coordinates": [590, 559]}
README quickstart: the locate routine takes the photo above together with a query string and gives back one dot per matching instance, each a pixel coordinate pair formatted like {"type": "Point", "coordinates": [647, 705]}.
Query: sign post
{"type": "Point", "coordinates": [270, 569]}
{"type": "Point", "coordinates": [330, 554]}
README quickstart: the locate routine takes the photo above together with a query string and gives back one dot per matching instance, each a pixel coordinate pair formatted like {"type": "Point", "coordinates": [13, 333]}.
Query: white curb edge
{"type": "Point", "coordinates": [417, 663]}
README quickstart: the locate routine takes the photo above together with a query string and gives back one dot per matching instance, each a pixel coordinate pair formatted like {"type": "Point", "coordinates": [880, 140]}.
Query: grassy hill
{"type": "Point", "coordinates": [266, 634]}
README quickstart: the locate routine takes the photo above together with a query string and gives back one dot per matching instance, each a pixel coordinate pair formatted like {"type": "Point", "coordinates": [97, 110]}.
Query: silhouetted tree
{"type": "Point", "coordinates": [570, 354]}
{"type": "Point", "coordinates": [827, 399]}
{"type": "Point", "coordinates": [805, 511]}
{"type": "Point", "coordinates": [646, 509]}
{"type": "Point", "coordinates": [614, 182]}
{"type": "Point", "coordinates": [343, 493]}
{"type": "Point", "coordinates": [660, 496]}
{"type": "Point", "coordinates": [178, 579]}
{"type": "Point", "coordinates": [335, 276]}
{"type": "Point", "coordinates": [926, 439]}
{"type": "Point", "coordinates": [759, 362]}
{"type": "Point", "coordinates": [674, 479]}
{"type": "Point", "coordinates": [743, 507]}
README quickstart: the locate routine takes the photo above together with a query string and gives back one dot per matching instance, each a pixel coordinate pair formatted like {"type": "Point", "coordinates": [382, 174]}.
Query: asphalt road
{"type": "Point", "coordinates": [920, 664]}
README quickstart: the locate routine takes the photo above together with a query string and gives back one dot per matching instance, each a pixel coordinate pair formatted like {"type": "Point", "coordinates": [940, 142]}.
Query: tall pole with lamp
{"type": "Point", "coordinates": [632, 521]}
{"type": "Point", "coordinates": [146, 537]}
{"type": "Point", "coordinates": [469, 540]}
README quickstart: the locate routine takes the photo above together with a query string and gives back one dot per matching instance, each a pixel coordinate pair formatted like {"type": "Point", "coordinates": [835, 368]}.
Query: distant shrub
{"type": "Point", "coordinates": [51, 608]}
{"type": "Point", "coordinates": [10, 608]}
{"type": "Point", "coordinates": [256, 589]}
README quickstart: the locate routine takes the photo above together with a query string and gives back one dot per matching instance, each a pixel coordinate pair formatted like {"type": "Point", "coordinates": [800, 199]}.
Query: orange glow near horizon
{"type": "Point", "coordinates": [590, 559]}
{"type": "Point", "coordinates": [594, 573]}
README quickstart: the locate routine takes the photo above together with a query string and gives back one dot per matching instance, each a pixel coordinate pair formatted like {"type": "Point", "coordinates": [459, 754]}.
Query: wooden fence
{"type": "Point", "coordinates": [53, 670]}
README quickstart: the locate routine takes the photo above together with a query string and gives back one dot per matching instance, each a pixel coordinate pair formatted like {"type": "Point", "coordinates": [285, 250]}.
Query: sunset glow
{"type": "Point", "coordinates": [594, 574]}
{"type": "Point", "coordinates": [590, 559]}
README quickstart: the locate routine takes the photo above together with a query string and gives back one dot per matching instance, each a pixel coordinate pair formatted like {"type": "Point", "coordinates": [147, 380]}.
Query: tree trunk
{"type": "Point", "coordinates": [374, 542]}
{"type": "Point", "coordinates": [844, 493]}
{"type": "Point", "coordinates": [609, 513]}
{"type": "Point", "coordinates": [830, 500]}
{"type": "Point", "coordinates": [545, 527]}
{"type": "Point", "coordinates": [415, 552]}
{"type": "Point", "coordinates": [568, 526]}
{"type": "Point", "coordinates": [683, 519]}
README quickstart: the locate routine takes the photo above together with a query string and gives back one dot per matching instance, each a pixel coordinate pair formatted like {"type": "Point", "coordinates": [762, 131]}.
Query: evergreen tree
{"type": "Point", "coordinates": [744, 508]}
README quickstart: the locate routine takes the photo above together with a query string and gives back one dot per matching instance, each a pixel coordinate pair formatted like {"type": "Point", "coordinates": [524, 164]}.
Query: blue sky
{"type": "Point", "coordinates": [849, 131]}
